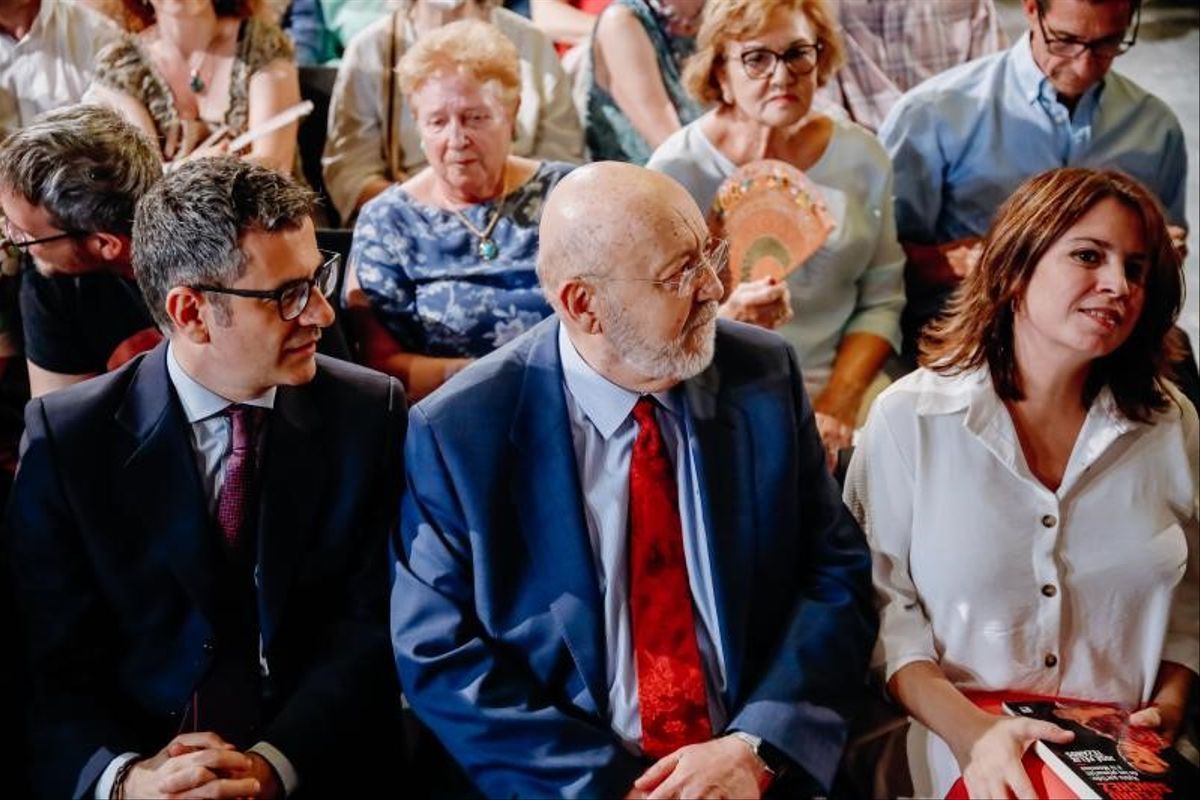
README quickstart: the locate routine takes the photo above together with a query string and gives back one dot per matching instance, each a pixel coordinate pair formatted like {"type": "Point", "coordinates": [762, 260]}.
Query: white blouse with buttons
{"type": "Point", "coordinates": [1008, 585]}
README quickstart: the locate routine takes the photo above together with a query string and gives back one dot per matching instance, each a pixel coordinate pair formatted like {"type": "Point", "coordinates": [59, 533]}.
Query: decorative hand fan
{"type": "Point", "coordinates": [773, 216]}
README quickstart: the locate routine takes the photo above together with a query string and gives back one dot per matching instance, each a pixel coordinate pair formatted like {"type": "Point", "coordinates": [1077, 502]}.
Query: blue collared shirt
{"type": "Point", "coordinates": [962, 141]}
{"type": "Point", "coordinates": [603, 432]}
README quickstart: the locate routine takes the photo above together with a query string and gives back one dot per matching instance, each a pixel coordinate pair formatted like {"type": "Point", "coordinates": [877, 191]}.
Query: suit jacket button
{"type": "Point", "coordinates": [209, 646]}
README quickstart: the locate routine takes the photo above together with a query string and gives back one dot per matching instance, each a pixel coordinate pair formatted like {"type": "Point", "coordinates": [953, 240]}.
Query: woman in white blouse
{"type": "Point", "coordinates": [373, 139]}
{"type": "Point", "coordinates": [1030, 494]}
{"type": "Point", "coordinates": [759, 63]}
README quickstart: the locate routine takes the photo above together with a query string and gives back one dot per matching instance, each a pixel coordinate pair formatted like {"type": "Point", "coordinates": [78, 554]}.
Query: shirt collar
{"type": "Point", "coordinates": [973, 391]}
{"type": "Point", "coordinates": [605, 404]}
{"type": "Point", "coordinates": [1033, 83]}
{"type": "Point", "coordinates": [198, 401]}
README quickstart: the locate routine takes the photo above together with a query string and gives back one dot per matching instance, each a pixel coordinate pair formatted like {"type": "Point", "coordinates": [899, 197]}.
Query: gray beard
{"type": "Point", "coordinates": [673, 360]}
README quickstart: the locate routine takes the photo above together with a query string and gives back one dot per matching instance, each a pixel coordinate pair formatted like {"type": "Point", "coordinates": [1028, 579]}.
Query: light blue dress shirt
{"type": "Point", "coordinates": [210, 428]}
{"type": "Point", "coordinates": [962, 141]}
{"type": "Point", "coordinates": [211, 436]}
{"type": "Point", "coordinates": [603, 432]}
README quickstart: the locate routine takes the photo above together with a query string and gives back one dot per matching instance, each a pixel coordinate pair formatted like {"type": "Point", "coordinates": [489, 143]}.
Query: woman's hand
{"type": "Point", "coordinates": [992, 767]}
{"type": "Point", "coordinates": [765, 302]}
{"type": "Point", "coordinates": [1166, 719]}
{"type": "Point", "coordinates": [835, 435]}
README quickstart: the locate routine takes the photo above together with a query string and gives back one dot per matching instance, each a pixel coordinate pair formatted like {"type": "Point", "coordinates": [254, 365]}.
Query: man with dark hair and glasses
{"type": "Point", "coordinates": [637, 578]}
{"type": "Point", "coordinates": [69, 182]}
{"type": "Point", "coordinates": [199, 538]}
{"type": "Point", "coordinates": [964, 140]}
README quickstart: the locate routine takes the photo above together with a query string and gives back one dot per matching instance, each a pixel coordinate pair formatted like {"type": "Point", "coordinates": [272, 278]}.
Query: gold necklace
{"type": "Point", "coordinates": [487, 248]}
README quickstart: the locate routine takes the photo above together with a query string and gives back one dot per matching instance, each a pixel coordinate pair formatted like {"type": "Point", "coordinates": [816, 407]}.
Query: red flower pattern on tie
{"type": "Point", "coordinates": [237, 490]}
{"type": "Point", "coordinates": [671, 693]}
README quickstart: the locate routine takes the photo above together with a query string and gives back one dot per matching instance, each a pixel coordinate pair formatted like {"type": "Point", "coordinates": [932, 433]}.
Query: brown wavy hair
{"type": "Point", "coordinates": [977, 328]}
{"type": "Point", "coordinates": [726, 21]}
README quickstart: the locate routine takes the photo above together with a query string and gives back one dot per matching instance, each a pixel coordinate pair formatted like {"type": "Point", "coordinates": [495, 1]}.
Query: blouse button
{"type": "Point", "coordinates": [1049, 521]}
{"type": "Point", "coordinates": [1051, 660]}
{"type": "Point", "coordinates": [1049, 590]}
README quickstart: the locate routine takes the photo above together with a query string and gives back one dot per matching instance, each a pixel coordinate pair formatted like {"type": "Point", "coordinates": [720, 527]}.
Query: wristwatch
{"type": "Point", "coordinates": [771, 756]}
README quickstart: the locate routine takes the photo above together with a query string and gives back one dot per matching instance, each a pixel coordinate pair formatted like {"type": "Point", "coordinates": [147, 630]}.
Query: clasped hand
{"type": "Point", "coordinates": [721, 768]}
{"type": "Point", "coordinates": [201, 765]}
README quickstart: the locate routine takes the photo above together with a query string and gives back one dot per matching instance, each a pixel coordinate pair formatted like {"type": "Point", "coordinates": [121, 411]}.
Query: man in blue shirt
{"type": "Point", "coordinates": [623, 568]}
{"type": "Point", "coordinates": [964, 140]}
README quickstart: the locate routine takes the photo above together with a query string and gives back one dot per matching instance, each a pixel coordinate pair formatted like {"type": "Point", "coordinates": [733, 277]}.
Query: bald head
{"type": "Point", "coordinates": [602, 215]}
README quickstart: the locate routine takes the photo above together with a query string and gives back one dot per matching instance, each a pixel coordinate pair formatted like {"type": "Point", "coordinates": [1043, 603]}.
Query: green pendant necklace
{"type": "Point", "coordinates": [487, 249]}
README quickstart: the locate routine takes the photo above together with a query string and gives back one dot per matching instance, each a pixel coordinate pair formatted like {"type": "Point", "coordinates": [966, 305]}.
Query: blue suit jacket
{"type": "Point", "coordinates": [115, 559]}
{"type": "Point", "coordinates": [497, 621]}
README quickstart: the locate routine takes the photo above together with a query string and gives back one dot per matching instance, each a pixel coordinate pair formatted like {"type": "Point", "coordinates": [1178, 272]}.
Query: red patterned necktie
{"type": "Point", "coordinates": [671, 693]}
{"type": "Point", "coordinates": [237, 491]}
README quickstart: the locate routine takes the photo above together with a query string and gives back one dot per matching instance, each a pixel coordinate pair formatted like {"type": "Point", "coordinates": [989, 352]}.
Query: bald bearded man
{"type": "Point", "coordinates": [623, 568]}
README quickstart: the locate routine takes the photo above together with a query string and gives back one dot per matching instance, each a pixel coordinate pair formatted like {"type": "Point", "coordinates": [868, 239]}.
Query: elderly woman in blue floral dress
{"type": "Point", "coordinates": [442, 266]}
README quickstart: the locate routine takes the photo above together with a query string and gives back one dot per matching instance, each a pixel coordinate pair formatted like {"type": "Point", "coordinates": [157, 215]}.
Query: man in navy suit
{"type": "Point", "coordinates": [624, 569]}
{"type": "Point", "coordinates": [199, 538]}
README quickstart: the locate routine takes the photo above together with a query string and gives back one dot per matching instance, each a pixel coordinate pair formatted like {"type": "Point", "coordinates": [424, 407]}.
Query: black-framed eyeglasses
{"type": "Point", "coordinates": [1108, 47]}
{"type": "Point", "coordinates": [800, 59]}
{"type": "Point", "coordinates": [13, 248]}
{"type": "Point", "coordinates": [714, 258]}
{"type": "Point", "coordinates": [292, 297]}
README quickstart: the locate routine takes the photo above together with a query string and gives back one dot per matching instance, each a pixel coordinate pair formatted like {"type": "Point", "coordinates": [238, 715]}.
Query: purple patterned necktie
{"type": "Point", "coordinates": [241, 472]}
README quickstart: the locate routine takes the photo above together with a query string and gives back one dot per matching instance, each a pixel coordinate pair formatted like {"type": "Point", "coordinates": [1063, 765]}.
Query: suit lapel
{"type": "Point", "coordinates": [160, 480]}
{"type": "Point", "coordinates": [293, 479]}
{"type": "Point", "coordinates": [547, 496]}
{"type": "Point", "coordinates": [725, 471]}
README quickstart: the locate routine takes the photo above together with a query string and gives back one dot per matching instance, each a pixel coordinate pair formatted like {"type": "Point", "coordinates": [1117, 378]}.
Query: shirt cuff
{"type": "Point", "coordinates": [104, 786]}
{"type": "Point", "coordinates": [283, 768]}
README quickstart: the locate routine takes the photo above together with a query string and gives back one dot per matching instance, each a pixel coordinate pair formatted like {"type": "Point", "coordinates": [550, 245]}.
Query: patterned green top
{"type": "Point", "coordinates": [610, 134]}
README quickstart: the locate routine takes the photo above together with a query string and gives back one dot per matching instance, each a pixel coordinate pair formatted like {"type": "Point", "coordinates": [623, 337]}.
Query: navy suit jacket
{"type": "Point", "coordinates": [114, 561]}
{"type": "Point", "coordinates": [497, 620]}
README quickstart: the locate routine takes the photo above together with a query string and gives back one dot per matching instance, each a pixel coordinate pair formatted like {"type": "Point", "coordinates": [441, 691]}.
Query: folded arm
{"type": "Point", "coordinates": [509, 730]}
{"type": "Point", "coordinates": [78, 722]}
{"type": "Point", "coordinates": [803, 701]}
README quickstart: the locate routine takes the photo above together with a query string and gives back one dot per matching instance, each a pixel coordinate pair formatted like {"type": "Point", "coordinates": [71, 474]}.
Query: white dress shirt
{"type": "Point", "coordinates": [603, 432]}
{"type": "Point", "coordinates": [51, 66]}
{"type": "Point", "coordinates": [211, 433]}
{"type": "Point", "coordinates": [1007, 585]}
{"type": "Point", "coordinates": [547, 124]}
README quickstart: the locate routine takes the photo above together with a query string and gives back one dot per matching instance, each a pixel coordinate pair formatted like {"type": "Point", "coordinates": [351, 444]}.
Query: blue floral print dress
{"type": "Point", "coordinates": [425, 279]}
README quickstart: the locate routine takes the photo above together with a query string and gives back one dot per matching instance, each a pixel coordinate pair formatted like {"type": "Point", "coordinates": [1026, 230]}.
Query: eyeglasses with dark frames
{"type": "Point", "coordinates": [12, 247]}
{"type": "Point", "coordinates": [800, 59]}
{"type": "Point", "coordinates": [1108, 47]}
{"type": "Point", "coordinates": [292, 297]}
{"type": "Point", "coordinates": [714, 258]}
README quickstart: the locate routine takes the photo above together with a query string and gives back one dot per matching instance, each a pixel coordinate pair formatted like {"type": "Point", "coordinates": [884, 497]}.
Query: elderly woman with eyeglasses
{"type": "Point", "coordinates": [760, 63]}
{"type": "Point", "coordinates": [442, 265]}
